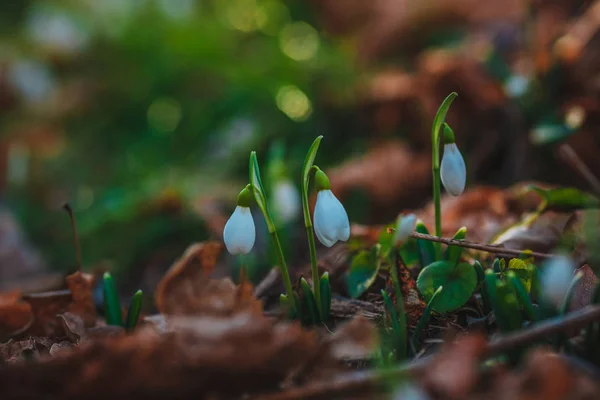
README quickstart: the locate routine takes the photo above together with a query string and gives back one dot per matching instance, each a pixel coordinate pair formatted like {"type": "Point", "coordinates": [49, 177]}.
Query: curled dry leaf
{"type": "Point", "coordinates": [61, 348]}
{"type": "Point", "coordinates": [15, 314]}
{"type": "Point", "coordinates": [186, 288]}
{"type": "Point", "coordinates": [202, 357]}
{"type": "Point", "coordinates": [45, 307]}
{"type": "Point", "coordinates": [81, 285]}
{"type": "Point", "coordinates": [454, 372]}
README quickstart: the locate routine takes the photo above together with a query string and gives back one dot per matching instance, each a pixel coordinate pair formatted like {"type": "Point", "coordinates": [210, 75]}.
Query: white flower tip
{"type": "Point", "coordinates": [330, 219]}
{"type": "Point", "coordinates": [404, 227]}
{"type": "Point", "coordinates": [453, 171]}
{"type": "Point", "coordinates": [239, 233]}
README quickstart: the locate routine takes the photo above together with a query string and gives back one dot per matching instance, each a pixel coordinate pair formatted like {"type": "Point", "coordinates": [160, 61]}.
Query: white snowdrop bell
{"type": "Point", "coordinates": [453, 170]}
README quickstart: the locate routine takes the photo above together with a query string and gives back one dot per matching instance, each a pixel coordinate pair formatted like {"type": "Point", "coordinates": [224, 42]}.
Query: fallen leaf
{"type": "Point", "coordinates": [81, 286]}
{"type": "Point", "coordinates": [454, 371]}
{"type": "Point", "coordinates": [46, 306]}
{"type": "Point", "coordinates": [15, 314]}
{"type": "Point", "coordinates": [61, 348]}
{"type": "Point", "coordinates": [187, 289]}
{"type": "Point", "coordinates": [585, 289]}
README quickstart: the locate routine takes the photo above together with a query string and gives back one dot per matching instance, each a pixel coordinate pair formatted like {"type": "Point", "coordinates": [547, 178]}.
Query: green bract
{"type": "Point", "coordinates": [259, 191]}
{"type": "Point", "coordinates": [459, 282]}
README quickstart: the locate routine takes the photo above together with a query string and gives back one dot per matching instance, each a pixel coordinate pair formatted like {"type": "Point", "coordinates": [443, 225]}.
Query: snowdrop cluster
{"type": "Point", "coordinates": [331, 223]}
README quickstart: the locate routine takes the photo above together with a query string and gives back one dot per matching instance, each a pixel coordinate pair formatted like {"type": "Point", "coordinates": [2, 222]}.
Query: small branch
{"type": "Point", "coordinates": [481, 247]}
{"type": "Point", "coordinates": [69, 211]}
{"type": "Point", "coordinates": [366, 380]}
{"type": "Point", "coordinates": [570, 157]}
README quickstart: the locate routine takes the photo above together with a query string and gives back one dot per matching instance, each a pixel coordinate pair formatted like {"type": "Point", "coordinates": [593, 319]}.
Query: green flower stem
{"type": "Point", "coordinates": [284, 270]}
{"type": "Point", "coordinates": [438, 207]}
{"type": "Point", "coordinates": [308, 169]}
{"type": "Point", "coordinates": [435, 153]}
{"type": "Point", "coordinates": [314, 267]}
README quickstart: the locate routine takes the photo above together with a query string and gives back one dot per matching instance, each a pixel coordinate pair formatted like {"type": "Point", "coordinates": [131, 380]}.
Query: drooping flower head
{"type": "Point", "coordinates": [557, 274]}
{"type": "Point", "coordinates": [240, 233]}
{"type": "Point", "coordinates": [453, 171]}
{"type": "Point", "coordinates": [404, 227]}
{"type": "Point", "coordinates": [330, 218]}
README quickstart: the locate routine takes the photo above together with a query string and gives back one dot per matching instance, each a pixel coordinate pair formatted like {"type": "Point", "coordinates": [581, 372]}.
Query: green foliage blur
{"type": "Point", "coordinates": [120, 106]}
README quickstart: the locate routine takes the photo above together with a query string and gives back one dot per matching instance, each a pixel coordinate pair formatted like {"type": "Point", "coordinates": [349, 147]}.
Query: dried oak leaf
{"type": "Point", "coordinates": [454, 371]}
{"type": "Point", "coordinates": [81, 286]}
{"type": "Point", "coordinates": [46, 306]}
{"type": "Point", "coordinates": [15, 314]}
{"type": "Point", "coordinates": [187, 289]}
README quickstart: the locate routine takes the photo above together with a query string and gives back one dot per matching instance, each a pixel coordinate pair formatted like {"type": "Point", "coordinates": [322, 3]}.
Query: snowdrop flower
{"type": "Point", "coordinates": [556, 279]}
{"type": "Point", "coordinates": [404, 227]}
{"type": "Point", "coordinates": [330, 219]}
{"type": "Point", "coordinates": [239, 233]}
{"type": "Point", "coordinates": [453, 170]}
{"type": "Point", "coordinates": [286, 201]}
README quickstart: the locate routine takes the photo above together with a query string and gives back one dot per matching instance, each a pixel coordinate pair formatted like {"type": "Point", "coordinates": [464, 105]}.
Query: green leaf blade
{"type": "Point", "coordinates": [459, 282]}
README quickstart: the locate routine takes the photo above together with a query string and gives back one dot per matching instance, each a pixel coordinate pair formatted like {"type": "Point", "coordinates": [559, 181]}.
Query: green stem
{"type": "Point", "coordinates": [284, 270]}
{"type": "Point", "coordinates": [311, 241]}
{"type": "Point", "coordinates": [438, 208]}
{"type": "Point", "coordinates": [315, 268]}
{"type": "Point", "coordinates": [436, 130]}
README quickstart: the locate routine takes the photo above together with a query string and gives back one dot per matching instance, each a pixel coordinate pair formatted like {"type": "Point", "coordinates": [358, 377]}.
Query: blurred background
{"type": "Point", "coordinates": [142, 113]}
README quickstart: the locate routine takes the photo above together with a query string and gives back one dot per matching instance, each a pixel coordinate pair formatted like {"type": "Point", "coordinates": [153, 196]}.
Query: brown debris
{"type": "Point", "coordinates": [15, 314]}
{"type": "Point", "coordinates": [81, 285]}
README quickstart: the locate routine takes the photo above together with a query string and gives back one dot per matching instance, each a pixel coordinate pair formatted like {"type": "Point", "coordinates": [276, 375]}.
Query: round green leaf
{"type": "Point", "coordinates": [459, 282]}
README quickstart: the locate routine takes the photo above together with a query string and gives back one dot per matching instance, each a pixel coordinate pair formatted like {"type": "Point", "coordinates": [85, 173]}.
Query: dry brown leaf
{"type": "Point", "coordinates": [81, 286]}
{"type": "Point", "coordinates": [15, 314]}
{"type": "Point", "coordinates": [61, 348]}
{"type": "Point", "coordinates": [200, 357]}
{"type": "Point", "coordinates": [186, 288]}
{"type": "Point", "coordinates": [454, 371]}
{"type": "Point", "coordinates": [585, 290]}
{"type": "Point", "coordinates": [46, 306]}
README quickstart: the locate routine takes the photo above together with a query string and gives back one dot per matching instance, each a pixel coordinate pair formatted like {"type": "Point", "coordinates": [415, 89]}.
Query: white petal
{"type": "Point", "coordinates": [286, 201]}
{"type": "Point", "coordinates": [556, 279]}
{"type": "Point", "coordinates": [239, 233]}
{"type": "Point", "coordinates": [453, 170]}
{"type": "Point", "coordinates": [330, 219]}
{"type": "Point", "coordinates": [405, 226]}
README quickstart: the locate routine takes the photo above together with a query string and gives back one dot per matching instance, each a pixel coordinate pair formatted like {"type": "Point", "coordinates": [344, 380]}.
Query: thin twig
{"type": "Point", "coordinates": [572, 158]}
{"type": "Point", "coordinates": [364, 380]}
{"type": "Point", "coordinates": [481, 247]}
{"type": "Point", "coordinates": [69, 210]}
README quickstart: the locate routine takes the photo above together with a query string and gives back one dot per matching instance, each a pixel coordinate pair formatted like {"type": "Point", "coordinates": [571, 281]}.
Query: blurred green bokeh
{"type": "Point", "coordinates": [120, 105]}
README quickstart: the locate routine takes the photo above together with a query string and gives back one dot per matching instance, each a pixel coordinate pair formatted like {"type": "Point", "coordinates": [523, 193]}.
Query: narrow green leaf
{"type": "Point", "coordinates": [259, 191]}
{"type": "Point", "coordinates": [440, 117]}
{"type": "Point", "coordinates": [490, 287]}
{"type": "Point", "coordinates": [565, 199]}
{"type": "Point", "coordinates": [426, 248]}
{"type": "Point", "coordinates": [325, 296]}
{"type": "Point", "coordinates": [133, 313]}
{"type": "Point", "coordinates": [309, 302]}
{"type": "Point", "coordinates": [402, 352]}
{"type": "Point", "coordinates": [424, 320]}
{"type": "Point", "coordinates": [363, 271]}
{"type": "Point", "coordinates": [112, 306]}
{"type": "Point", "coordinates": [522, 295]}
{"type": "Point", "coordinates": [507, 311]}
{"type": "Point", "coordinates": [453, 253]}
{"type": "Point", "coordinates": [459, 282]}
{"type": "Point", "coordinates": [398, 338]}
